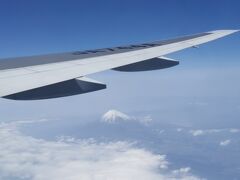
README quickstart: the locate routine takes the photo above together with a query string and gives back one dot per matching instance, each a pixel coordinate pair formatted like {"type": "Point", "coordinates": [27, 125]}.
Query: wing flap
{"type": "Point", "coordinates": [67, 88]}
{"type": "Point", "coordinates": [148, 65]}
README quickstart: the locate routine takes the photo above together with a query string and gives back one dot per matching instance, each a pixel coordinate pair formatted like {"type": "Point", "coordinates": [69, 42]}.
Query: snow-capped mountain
{"type": "Point", "coordinates": [113, 116]}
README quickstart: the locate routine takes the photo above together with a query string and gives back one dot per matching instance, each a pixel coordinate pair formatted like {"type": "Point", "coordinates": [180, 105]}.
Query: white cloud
{"type": "Point", "coordinates": [179, 129]}
{"type": "Point", "coordinates": [234, 130]}
{"type": "Point", "coordinates": [159, 131]}
{"type": "Point", "coordinates": [25, 157]}
{"type": "Point", "coordinates": [145, 120]}
{"type": "Point", "coordinates": [182, 170]}
{"type": "Point", "coordinates": [200, 132]}
{"type": "Point", "coordinates": [225, 142]}
{"type": "Point", "coordinates": [113, 116]}
{"type": "Point", "coordinates": [197, 132]}
{"type": "Point", "coordinates": [210, 131]}
{"type": "Point", "coordinates": [23, 122]}
{"type": "Point", "coordinates": [182, 174]}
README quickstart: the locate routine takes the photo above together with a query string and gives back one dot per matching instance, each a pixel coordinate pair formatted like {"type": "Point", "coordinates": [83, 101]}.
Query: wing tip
{"type": "Point", "coordinates": [225, 31]}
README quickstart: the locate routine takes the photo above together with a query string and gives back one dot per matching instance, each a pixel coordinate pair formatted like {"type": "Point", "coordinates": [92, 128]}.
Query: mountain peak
{"type": "Point", "coordinates": [113, 116]}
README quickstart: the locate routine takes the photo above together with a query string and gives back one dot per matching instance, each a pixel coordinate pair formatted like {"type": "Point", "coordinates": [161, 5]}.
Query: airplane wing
{"type": "Point", "coordinates": [59, 75]}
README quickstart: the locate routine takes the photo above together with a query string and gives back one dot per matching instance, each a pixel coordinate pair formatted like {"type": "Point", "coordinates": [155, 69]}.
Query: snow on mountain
{"type": "Point", "coordinates": [113, 116]}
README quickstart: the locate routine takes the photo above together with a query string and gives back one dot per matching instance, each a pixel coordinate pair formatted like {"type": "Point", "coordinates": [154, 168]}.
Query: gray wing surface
{"type": "Point", "coordinates": [11, 63]}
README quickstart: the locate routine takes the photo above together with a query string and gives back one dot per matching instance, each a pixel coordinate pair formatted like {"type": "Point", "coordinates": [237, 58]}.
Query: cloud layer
{"type": "Point", "coordinates": [200, 132]}
{"type": "Point", "coordinates": [25, 157]}
{"type": "Point", "coordinates": [225, 142]}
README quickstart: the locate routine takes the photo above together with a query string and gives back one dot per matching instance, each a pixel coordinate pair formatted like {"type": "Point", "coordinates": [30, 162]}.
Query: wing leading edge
{"type": "Point", "coordinates": [26, 76]}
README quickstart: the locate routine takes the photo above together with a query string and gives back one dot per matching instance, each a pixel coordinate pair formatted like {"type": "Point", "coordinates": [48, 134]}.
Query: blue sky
{"type": "Point", "coordinates": [194, 108]}
{"type": "Point", "coordinates": [35, 27]}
